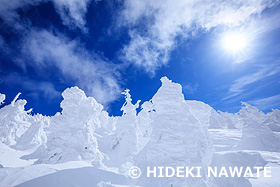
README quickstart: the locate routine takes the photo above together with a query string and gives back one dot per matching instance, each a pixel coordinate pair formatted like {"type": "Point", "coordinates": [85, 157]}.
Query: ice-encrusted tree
{"type": "Point", "coordinates": [178, 138]}
{"type": "Point", "coordinates": [72, 132]}
{"type": "Point", "coordinates": [201, 111]}
{"type": "Point", "coordinates": [35, 134]}
{"type": "Point", "coordinates": [14, 120]}
{"type": "Point", "coordinates": [125, 142]}
{"type": "Point", "coordinates": [273, 120]}
{"type": "Point", "coordinates": [145, 119]}
{"type": "Point", "coordinates": [256, 135]}
{"type": "Point", "coordinates": [224, 120]}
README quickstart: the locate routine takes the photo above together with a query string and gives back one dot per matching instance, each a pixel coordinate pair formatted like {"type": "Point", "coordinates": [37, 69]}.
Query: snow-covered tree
{"type": "Point", "coordinates": [145, 119]}
{"type": "Point", "coordinates": [273, 120]}
{"type": "Point", "coordinates": [201, 111]}
{"type": "Point", "coordinates": [35, 134]}
{"type": "Point", "coordinates": [178, 138]}
{"type": "Point", "coordinates": [224, 120]}
{"type": "Point", "coordinates": [72, 132]}
{"type": "Point", "coordinates": [14, 120]}
{"type": "Point", "coordinates": [125, 141]}
{"type": "Point", "coordinates": [255, 134]}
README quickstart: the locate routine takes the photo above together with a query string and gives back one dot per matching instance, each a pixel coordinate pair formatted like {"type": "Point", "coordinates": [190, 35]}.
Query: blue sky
{"type": "Point", "coordinates": [104, 47]}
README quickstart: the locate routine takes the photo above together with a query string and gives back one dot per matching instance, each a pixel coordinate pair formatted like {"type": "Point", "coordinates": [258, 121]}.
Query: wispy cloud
{"type": "Point", "coordinates": [2, 42]}
{"type": "Point", "coordinates": [41, 49]}
{"type": "Point", "coordinates": [165, 20]}
{"type": "Point", "coordinates": [72, 12]}
{"type": "Point", "coordinates": [8, 9]}
{"type": "Point", "coordinates": [190, 89]}
{"type": "Point", "coordinates": [47, 89]}
{"type": "Point", "coordinates": [267, 103]}
{"type": "Point", "coordinates": [241, 84]}
{"type": "Point", "coordinates": [89, 71]}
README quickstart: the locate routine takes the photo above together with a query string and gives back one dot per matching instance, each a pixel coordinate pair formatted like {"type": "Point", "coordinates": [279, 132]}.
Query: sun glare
{"type": "Point", "coordinates": [234, 42]}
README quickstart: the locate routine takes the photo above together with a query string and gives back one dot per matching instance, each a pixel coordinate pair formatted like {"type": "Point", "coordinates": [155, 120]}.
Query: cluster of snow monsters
{"type": "Point", "coordinates": [168, 131]}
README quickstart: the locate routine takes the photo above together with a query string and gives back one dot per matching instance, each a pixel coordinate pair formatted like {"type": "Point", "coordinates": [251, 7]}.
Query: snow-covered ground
{"type": "Point", "coordinates": [80, 173]}
{"type": "Point", "coordinates": [11, 158]}
{"type": "Point", "coordinates": [84, 146]}
{"type": "Point", "coordinates": [225, 140]}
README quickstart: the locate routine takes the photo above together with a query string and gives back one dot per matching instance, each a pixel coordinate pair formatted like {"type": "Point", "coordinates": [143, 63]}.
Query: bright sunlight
{"type": "Point", "coordinates": [234, 42]}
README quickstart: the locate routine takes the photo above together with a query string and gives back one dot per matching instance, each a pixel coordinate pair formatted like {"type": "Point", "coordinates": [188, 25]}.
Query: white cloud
{"type": "Point", "coordinates": [90, 72]}
{"type": "Point", "coordinates": [167, 19]}
{"type": "Point", "coordinates": [144, 51]}
{"type": "Point", "coordinates": [72, 12]}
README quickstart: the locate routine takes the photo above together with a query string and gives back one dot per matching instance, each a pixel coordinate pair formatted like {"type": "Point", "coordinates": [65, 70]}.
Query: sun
{"type": "Point", "coordinates": [234, 42]}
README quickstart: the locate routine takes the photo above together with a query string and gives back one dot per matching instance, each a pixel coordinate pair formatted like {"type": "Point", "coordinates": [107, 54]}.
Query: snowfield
{"type": "Point", "coordinates": [84, 146]}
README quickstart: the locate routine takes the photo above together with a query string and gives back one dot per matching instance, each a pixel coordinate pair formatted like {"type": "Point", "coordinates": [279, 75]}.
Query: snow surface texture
{"type": "Point", "coordinates": [84, 146]}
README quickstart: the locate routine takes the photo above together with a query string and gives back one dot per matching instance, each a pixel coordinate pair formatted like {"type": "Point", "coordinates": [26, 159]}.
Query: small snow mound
{"type": "Point", "coordinates": [85, 177]}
